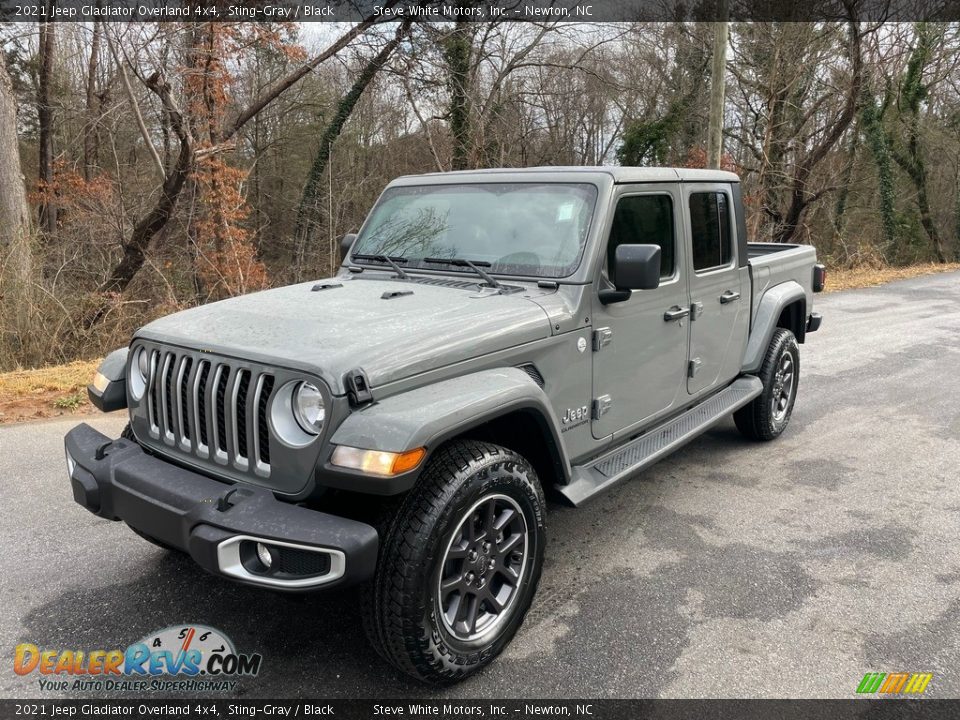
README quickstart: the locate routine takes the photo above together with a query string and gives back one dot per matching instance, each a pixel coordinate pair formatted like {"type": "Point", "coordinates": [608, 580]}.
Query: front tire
{"type": "Point", "coordinates": [769, 413]}
{"type": "Point", "coordinates": [459, 565]}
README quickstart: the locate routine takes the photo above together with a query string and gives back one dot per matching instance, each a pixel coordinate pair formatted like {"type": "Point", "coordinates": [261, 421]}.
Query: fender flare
{"type": "Point", "coordinates": [430, 415]}
{"type": "Point", "coordinates": [765, 319]}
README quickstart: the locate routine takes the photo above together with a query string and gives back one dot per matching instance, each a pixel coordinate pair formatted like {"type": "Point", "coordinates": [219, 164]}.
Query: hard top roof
{"type": "Point", "coordinates": [619, 174]}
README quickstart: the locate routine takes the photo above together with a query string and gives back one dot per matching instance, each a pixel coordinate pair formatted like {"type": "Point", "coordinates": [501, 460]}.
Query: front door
{"type": "Point", "coordinates": [640, 345]}
{"type": "Point", "coordinates": [719, 288]}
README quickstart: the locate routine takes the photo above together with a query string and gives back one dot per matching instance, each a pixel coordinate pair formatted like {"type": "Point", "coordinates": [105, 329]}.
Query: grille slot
{"type": "Point", "coordinates": [166, 400]}
{"type": "Point", "coordinates": [201, 395]}
{"type": "Point", "coordinates": [153, 396]}
{"type": "Point", "coordinates": [263, 430]}
{"type": "Point", "coordinates": [210, 409]}
{"type": "Point", "coordinates": [223, 374]}
{"type": "Point", "coordinates": [240, 413]}
{"type": "Point", "coordinates": [183, 407]}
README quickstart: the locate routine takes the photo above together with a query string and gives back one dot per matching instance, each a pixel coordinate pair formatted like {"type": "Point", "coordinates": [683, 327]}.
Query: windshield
{"type": "Point", "coordinates": [536, 229]}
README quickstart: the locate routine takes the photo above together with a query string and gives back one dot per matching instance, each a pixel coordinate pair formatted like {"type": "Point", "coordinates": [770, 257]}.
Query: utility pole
{"type": "Point", "coordinates": [721, 31]}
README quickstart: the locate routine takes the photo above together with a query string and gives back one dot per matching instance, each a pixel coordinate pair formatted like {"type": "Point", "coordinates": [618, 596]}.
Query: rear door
{"type": "Point", "coordinates": [639, 361]}
{"type": "Point", "coordinates": [719, 290]}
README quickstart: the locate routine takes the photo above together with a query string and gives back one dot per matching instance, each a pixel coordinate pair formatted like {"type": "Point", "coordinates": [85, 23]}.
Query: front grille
{"type": "Point", "coordinates": [210, 409]}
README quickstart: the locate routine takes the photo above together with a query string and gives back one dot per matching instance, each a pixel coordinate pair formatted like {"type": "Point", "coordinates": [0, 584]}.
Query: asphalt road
{"type": "Point", "coordinates": [731, 569]}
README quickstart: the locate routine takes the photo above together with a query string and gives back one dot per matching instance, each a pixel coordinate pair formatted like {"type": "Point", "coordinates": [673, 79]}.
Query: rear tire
{"type": "Point", "coordinates": [769, 413]}
{"type": "Point", "coordinates": [459, 564]}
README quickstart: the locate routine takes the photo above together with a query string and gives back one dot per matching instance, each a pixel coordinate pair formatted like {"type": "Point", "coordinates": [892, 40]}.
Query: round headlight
{"type": "Point", "coordinates": [308, 407]}
{"type": "Point", "coordinates": [143, 363]}
{"type": "Point", "coordinates": [139, 372]}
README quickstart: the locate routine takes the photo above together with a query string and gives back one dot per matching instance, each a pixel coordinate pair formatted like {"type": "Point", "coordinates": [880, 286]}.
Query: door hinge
{"type": "Point", "coordinates": [696, 310]}
{"type": "Point", "coordinates": [601, 338]}
{"type": "Point", "coordinates": [694, 367]}
{"type": "Point", "coordinates": [601, 406]}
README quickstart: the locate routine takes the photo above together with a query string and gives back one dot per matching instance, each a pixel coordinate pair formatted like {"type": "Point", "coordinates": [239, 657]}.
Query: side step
{"type": "Point", "coordinates": [658, 442]}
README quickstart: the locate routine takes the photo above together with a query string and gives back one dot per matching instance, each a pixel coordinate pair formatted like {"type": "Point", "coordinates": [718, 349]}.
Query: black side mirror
{"type": "Point", "coordinates": [346, 242]}
{"type": "Point", "coordinates": [635, 267]}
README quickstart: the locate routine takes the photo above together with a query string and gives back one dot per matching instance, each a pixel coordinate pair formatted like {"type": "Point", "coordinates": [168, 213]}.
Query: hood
{"type": "Point", "coordinates": [330, 332]}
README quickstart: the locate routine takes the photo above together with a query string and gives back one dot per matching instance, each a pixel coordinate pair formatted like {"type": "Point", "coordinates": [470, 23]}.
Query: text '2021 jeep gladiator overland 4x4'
{"type": "Point", "coordinates": [490, 334]}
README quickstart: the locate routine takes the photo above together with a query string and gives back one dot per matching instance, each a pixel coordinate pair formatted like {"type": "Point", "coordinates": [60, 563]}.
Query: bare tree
{"type": "Point", "coordinates": [307, 211]}
{"type": "Point", "coordinates": [91, 158]}
{"type": "Point", "coordinates": [48, 211]}
{"type": "Point", "coordinates": [134, 249]}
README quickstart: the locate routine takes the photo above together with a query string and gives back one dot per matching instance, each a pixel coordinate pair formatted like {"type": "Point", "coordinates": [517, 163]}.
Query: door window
{"type": "Point", "coordinates": [644, 220]}
{"type": "Point", "coordinates": [710, 230]}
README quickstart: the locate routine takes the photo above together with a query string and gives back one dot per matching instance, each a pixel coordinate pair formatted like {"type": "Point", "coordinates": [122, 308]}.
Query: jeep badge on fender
{"type": "Point", "coordinates": [575, 414]}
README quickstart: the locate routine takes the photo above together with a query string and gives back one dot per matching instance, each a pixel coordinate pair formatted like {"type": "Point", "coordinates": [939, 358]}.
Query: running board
{"type": "Point", "coordinates": [658, 442]}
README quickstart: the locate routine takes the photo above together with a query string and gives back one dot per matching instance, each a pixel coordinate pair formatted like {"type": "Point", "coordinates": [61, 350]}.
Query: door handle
{"type": "Point", "coordinates": [729, 296]}
{"type": "Point", "coordinates": [676, 313]}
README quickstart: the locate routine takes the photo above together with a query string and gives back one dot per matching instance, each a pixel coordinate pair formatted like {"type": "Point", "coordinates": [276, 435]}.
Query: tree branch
{"type": "Point", "coordinates": [135, 106]}
{"type": "Point", "coordinates": [285, 83]}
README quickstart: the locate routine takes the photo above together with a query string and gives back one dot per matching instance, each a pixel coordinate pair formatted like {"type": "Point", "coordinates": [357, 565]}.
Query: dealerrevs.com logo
{"type": "Point", "coordinates": [190, 658]}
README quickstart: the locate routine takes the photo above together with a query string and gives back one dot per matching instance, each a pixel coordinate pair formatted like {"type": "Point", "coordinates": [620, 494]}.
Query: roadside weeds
{"type": "Point", "coordinates": [864, 277]}
{"type": "Point", "coordinates": [52, 391]}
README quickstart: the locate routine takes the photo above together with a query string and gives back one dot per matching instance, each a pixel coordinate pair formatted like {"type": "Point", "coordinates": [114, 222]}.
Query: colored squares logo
{"type": "Point", "coordinates": [894, 683]}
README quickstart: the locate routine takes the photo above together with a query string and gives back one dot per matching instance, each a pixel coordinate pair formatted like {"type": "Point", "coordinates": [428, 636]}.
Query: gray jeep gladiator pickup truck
{"type": "Point", "coordinates": [491, 335]}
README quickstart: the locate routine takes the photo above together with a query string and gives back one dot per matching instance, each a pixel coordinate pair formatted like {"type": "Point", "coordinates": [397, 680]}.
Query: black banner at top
{"type": "Point", "coordinates": [477, 10]}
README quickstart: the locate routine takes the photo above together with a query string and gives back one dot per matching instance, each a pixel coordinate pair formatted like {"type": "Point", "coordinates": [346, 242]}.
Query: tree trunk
{"type": "Point", "coordinates": [307, 212]}
{"type": "Point", "coordinates": [843, 195]}
{"type": "Point", "coordinates": [800, 197]}
{"type": "Point", "coordinates": [91, 161]}
{"type": "Point", "coordinates": [17, 315]}
{"type": "Point", "coordinates": [149, 226]}
{"type": "Point", "coordinates": [956, 215]}
{"type": "Point", "coordinates": [14, 211]}
{"type": "Point", "coordinates": [47, 211]}
{"type": "Point", "coordinates": [911, 159]}
{"type": "Point", "coordinates": [457, 49]}
{"type": "Point", "coordinates": [880, 149]}
{"type": "Point", "coordinates": [926, 216]}
{"type": "Point", "coordinates": [718, 79]}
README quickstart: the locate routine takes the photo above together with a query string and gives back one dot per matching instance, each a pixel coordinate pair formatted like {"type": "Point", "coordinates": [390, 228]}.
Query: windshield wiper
{"type": "Point", "coordinates": [473, 265]}
{"type": "Point", "coordinates": [391, 261]}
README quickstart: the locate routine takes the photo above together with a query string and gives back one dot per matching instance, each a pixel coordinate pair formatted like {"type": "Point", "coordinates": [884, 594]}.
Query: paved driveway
{"type": "Point", "coordinates": [731, 569]}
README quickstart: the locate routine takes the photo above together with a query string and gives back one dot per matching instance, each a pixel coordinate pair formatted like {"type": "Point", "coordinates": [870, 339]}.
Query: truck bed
{"type": "Point", "coordinates": [775, 263]}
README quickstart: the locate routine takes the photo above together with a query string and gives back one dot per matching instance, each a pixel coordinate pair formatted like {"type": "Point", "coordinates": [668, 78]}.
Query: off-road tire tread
{"type": "Point", "coordinates": [383, 599]}
{"type": "Point", "coordinates": [755, 419]}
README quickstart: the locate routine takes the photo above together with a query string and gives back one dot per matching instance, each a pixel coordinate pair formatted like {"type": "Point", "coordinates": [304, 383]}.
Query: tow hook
{"type": "Point", "coordinates": [225, 501]}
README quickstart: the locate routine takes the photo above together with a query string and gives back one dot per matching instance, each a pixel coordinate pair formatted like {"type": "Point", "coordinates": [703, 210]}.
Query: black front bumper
{"type": "Point", "coordinates": [117, 480]}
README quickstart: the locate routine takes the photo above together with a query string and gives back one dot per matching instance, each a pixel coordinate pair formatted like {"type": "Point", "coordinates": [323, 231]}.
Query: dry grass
{"type": "Point", "coordinates": [862, 277]}
{"type": "Point", "coordinates": [46, 392]}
